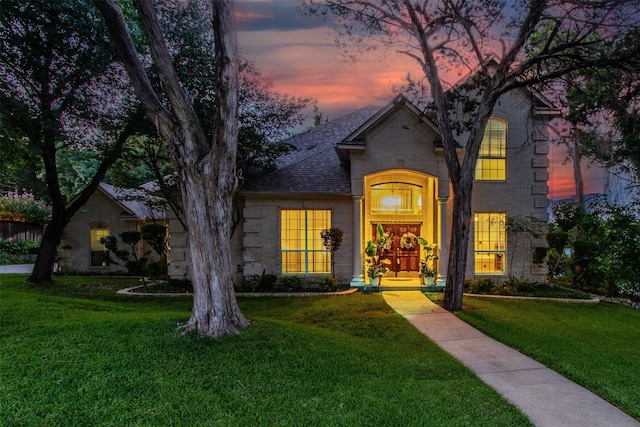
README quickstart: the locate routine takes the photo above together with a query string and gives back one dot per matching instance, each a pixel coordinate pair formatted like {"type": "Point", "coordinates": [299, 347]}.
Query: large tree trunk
{"type": "Point", "coordinates": [459, 242]}
{"type": "Point", "coordinates": [207, 168]}
{"type": "Point", "coordinates": [47, 254]}
{"type": "Point", "coordinates": [215, 312]}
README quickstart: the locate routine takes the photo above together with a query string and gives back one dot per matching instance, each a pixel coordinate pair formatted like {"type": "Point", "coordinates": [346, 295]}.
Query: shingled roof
{"type": "Point", "coordinates": [313, 167]}
{"type": "Point", "coordinates": [133, 202]}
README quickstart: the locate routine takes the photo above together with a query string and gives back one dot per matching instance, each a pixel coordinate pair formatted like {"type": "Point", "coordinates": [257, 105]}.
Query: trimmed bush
{"type": "Point", "coordinates": [328, 284]}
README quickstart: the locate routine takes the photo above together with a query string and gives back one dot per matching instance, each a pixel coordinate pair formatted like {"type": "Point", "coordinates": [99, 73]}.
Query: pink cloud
{"type": "Point", "coordinates": [306, 63]}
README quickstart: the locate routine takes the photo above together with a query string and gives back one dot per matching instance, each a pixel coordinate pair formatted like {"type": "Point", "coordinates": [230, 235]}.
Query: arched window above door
{"type": "Point", "coordinates": [399, 198]}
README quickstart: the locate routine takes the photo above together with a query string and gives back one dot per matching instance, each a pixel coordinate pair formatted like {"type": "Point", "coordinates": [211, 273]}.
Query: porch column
{"type": "Point", "coordinates": [358, 277]}
{"type": "Point", "coordinates": [443, 256]}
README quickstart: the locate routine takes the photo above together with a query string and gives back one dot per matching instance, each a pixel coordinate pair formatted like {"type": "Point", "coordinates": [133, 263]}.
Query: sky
{"type": "Point", "coordinates": [299, 55]}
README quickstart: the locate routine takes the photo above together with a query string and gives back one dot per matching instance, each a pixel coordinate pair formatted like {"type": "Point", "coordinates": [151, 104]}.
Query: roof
{"type": "Point", "coordinates": [313, 167]}
{"type": "Point", "coordinates": [132, 200]}
{"type": "Point", "coordinates": [357, 140]}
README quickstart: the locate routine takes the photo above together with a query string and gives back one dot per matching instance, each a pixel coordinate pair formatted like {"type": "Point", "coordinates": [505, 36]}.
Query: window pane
{"type": "Point", "coordinates": [397, 197]}
{"type": "Point", "coordinates": [492, 164]}
{"type": "Point", "coordinates": [98, 251]}
{"type": "Point", "coordinates": [302, 248]}
{"type": "Point", "coordinates": [490, 243]}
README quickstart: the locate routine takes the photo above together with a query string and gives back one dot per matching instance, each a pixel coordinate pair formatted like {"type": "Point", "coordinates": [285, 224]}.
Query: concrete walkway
{"type": "Point", "coordinates": [16, 268]}
{"type": "Point", "coordinates": [546, 397]}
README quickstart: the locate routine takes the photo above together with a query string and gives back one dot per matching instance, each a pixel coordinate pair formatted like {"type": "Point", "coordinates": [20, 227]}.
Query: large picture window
{"type": "Point", "coordinates": [490, 243]}
{"type": "Point", "coordinates": [99, 254]}
{"type": "Point", "coordinates": [302, 248]}
{"type": "Point", "coordinates": [492, 161]}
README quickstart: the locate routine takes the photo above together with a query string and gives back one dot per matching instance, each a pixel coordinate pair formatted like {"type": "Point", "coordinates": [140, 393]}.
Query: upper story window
{"type": "Point", "coordinates": [396, 197]}
{"type": "Point", "coordinates": [492, 161]}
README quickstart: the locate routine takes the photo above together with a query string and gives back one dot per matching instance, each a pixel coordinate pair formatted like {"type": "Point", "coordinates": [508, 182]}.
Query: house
{"type": "Point", "coordinates": [108, 212]}
{"type": "Point", "coordinates": [386, 166]}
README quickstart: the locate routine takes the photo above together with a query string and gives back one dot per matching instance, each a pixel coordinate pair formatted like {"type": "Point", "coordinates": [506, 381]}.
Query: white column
{"type": "Point", "coordinates": [443, 256]}
{"type": "Point", "coordinates": [358, 277]}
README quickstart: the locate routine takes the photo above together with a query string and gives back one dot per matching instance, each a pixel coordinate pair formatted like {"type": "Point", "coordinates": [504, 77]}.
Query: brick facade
{"type": "Point", "coordinates": [334, 165]}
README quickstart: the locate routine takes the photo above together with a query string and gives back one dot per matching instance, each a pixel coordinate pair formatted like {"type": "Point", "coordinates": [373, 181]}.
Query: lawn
{"type": "Point", "coordinates": [75, 354]}
{"type": "Point", "coordinates": [595, 345]}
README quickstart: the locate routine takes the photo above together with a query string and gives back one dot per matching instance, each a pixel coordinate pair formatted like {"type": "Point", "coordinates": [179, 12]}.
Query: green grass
{"type": "Point", "coordinates": [74, 354]}
{"type": "Point", "coordinates": [595, 345]}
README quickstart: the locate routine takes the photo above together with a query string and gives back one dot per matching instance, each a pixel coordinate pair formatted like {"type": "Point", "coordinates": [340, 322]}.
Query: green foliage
{"type": "Point", "coordinates": [291, 283]}
{"type": "Point", "coordinates": [331, 240]}
{"type": "Point", "coordinates": [328, 284]}
{"type": "Point", "coordinates": [482, 285]}
{"type": "Point", "coordinates": [427, 264]}
{"type": "Point", "coordinates": [18, 247]}
{"type": "Point", "coordinates": [152, 233]}
{"type": "Point", "coordinates": [519, 287]}
{"type": "Point", "coordinates": [156, 235]}
{"type": "Point", "coordinates": [13, 252]}
{"type": "Point", "coordinates": [262, 282]}
{"type": "Point", "coordinates": [376, 265]}
{"type": "Point", "coordinates": [603, 245]}
{"type": "Point", "coordinates": [24, 207]}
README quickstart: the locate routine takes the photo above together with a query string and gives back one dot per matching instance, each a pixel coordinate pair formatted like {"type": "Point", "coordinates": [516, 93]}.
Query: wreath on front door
{"type": "Point", "coordinates": [408, 241]}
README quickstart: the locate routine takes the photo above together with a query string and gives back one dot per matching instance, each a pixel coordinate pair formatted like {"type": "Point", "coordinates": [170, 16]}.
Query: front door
{"type": "Point", "coordinates": [405, 250]}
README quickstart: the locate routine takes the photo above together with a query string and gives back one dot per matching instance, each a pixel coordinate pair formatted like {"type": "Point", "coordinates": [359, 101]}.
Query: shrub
{"type": "Point", "coordinates": [18, 247]}
{"type": "Point", "coordinates": [23, 208]}
{"type": "Point", "coordinates": [155, 235]}
{"type": "Point", "coordinates": [520, 287]}
{"type": "Point", "coordinates": [180, 285]}
{"type": "Point", "coordinates": [482, 285]}
{"type": "Point", "coordinates": [604, 248]}
{"type": "Point", "coordinates": [262, 282]}
{"type": "Point", "coordinates": [328, 284]}
{"type": "Point", "coordinates": [291, 283]}
{"type": "Point", "coordinates": [11, 252]}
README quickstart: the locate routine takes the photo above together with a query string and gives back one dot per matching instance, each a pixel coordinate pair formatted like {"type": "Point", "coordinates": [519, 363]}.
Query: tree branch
{"type": "Point", "coordinates": [117, 26]}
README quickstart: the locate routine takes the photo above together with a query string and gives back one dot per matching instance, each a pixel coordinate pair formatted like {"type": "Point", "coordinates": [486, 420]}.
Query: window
{"type": "Point", "coordinates": [302, 249]}
{"type": "Point", "coordinates": [492, 161]}
{"type": "Point", "coordinates": [396, 197]}
{"type": "Point", "coordinates": [99, 254]}
{"type": "Point", "coordinates": [490, 243]}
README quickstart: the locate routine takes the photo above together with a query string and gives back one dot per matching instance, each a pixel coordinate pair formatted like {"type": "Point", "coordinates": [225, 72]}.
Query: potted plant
{"type": "Point", "coordinates": [427, 265]}
{"type": "Point", "coordinates": [376, 265]}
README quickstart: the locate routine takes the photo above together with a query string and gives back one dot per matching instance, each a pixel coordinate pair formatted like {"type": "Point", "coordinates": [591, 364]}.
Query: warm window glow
{"type": "Point", "coordinates": [492, 162]}
{"type": "Point", "coordinates": [302, 249]}
{"type": "Point", "coordinates": [397, 197]}
{"type": "Point", "coordinates": [490, 243]}
{"type": "Point", "coordinates": [391, 202]}
{"type": "Point", "coordinates": [99, 256]}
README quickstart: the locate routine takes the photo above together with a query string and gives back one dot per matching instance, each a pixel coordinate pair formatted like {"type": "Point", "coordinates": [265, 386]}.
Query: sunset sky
{"type": "Point", "coordinates": [299, 55]}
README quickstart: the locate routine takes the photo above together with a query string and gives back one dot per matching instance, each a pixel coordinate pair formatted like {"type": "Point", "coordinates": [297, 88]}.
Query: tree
{"type": "Point", "coordinates": [535, 42]}
{"type": "Point", "coordinates": [55, 59]}
{"type": "Point", "coordinates": [206, 166]}
{"type": "Point", "coordinates": [604, 106]}
{"type": "Point", "coordinates": [155, 235]}
{"type": "Point", "coordinates": [331, 240]}
{"type": "Point", "coordinates": [265, 117]}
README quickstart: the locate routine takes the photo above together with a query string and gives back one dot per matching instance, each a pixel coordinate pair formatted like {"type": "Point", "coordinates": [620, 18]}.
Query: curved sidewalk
{"type": "Point", "coordinates": [546, 397]}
